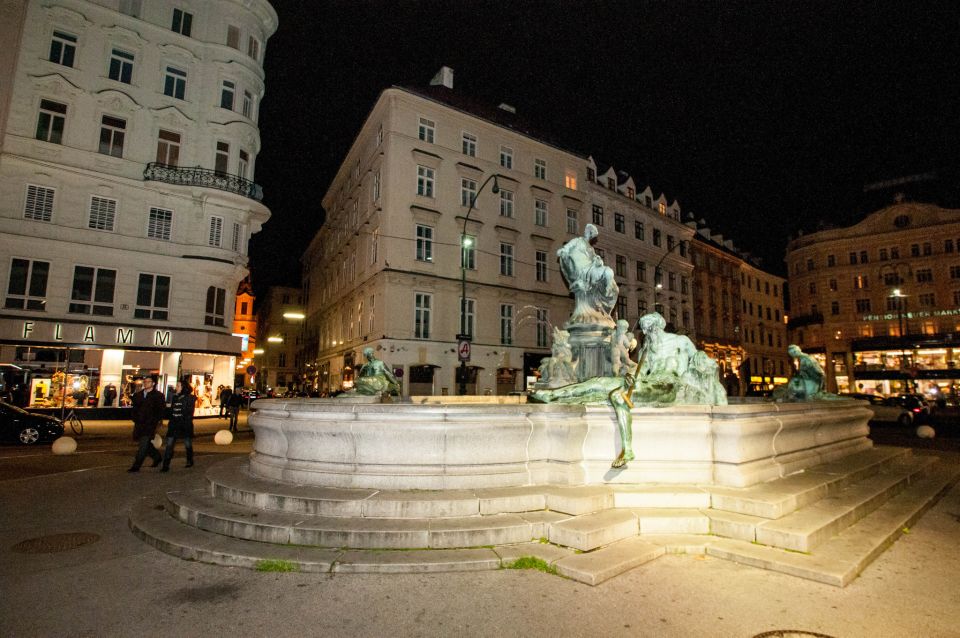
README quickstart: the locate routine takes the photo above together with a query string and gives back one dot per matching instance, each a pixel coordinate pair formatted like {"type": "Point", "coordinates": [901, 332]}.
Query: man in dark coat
{"type": "Point", "coordinates": [180, 425]}
{"type": "Point", "coordinates": [224, 397]}
{"type": "Point", "coordinates": [147, 414]}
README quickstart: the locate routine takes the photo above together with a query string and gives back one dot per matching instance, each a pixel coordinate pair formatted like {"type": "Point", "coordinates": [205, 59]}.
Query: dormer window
{"type": "Point", "coordinates": [611, 183]}
{"type": "Point", "coordinates": [632, 194]}
{"type": "Point", "coordinates": [663, 208]}
{"type": "Point", "coordinates": [591, 174]}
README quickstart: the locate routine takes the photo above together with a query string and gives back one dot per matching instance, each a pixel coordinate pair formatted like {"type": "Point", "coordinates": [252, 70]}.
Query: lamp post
{"type": "Point", "coordinates": [658, 275]}
{"type": "Point", "coordinates": [465, 243]}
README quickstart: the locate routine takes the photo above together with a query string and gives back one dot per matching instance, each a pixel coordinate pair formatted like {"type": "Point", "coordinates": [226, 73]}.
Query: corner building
{"type": "Point", "coordinates": [879, 302]}
{"type": "Point", "coordinates": [385, 269]}
{"type": "Point", "coordinates": [126, 195]}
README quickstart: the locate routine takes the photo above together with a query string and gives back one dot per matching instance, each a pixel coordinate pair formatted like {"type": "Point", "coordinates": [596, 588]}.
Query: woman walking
{"type": "Point", "coordinates": [180, 425]}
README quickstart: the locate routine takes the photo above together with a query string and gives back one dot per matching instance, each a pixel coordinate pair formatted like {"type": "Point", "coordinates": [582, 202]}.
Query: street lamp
{"type": "Point", "coordinates": [466, 243]}
{"type": "Point", "coordinates": [658, 275]}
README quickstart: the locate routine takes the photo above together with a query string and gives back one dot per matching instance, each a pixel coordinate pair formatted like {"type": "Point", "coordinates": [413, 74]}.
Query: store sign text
{"type": "Point", "coordinates": [892, 316]}
{"type": "Point", "coordinates": [120, 336]}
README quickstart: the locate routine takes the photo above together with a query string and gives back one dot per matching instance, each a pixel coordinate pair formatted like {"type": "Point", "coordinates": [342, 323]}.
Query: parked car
{"type": "Point", "coordinates": [19, 426]}
{"type": "Point", "coordinates": [924, 402]}
{"type": "Point", "coordinates": [905, 410]}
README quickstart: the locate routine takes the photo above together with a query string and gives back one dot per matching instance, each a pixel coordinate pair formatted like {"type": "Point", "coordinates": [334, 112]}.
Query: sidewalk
{"type": "Point", "coordinates": [119, 586]}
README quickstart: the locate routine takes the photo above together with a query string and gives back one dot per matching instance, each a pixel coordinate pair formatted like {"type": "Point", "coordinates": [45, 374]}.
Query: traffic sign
{"type": "Point", "coordinates": [251, 370]}
{"type": "Point", "coordinates": [463, 350]}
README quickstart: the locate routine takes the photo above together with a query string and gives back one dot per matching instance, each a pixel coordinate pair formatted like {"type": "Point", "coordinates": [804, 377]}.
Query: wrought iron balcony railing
{"type": "Point", "coordinates": [205, 177]}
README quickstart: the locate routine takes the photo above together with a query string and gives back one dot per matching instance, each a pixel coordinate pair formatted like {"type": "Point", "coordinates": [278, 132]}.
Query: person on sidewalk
{"type": "Point", "coordinates": [236, 400]}
{"type": "Point", "coordinates": [180, 425]}
{"type": "Point", "coordinates": [147, 414]}
{"type": "Point", "coordinates": [225, 393]}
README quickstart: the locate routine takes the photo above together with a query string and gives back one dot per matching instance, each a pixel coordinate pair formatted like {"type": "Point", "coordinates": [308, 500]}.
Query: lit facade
{"type": "Point", "coordinates": [879, 301]}
{"type": "Point", "coordinates": [385, 269]}
{"type": "Point", "coordinates": [279, 324]}
{"type": "Point", "coordinates": [245, 327]}
{"type": "Point", "coordinates": [763, 328]}
{"type": "Point", "coordinates": [113, 255]}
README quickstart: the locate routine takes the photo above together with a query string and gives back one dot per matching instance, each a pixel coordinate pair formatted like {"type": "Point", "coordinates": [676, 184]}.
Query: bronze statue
{"type": "Point", "coordinates": [375, 378]}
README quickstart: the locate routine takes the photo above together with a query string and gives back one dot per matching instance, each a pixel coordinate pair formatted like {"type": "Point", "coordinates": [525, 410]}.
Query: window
{"type": "Point", "coordinates": [863, 257]}
{"type": "Point", "coordinates": [92, 291]}
{"type": "Point", "coordinates": [948, 245]}
{"type": "Point", "coordinates": [597, 215]}
{"type": "Point", "coordinates": [233, 37]}
{"type": "Point", "coordinates": [570, 180]}
{"type": "Point", "coordinates": [684, 285]}
{"type": "Point", "coordinates": [103, 213]}
{"type": "Point", "coordinates": [641, 271]}
{"type": "Point", "coordinates": [424, 243]}
{"type": "Point", "coordinates": [236, 237]}
{"type": "Point", "coordinates": [168, 148]}
{"type": "Point", "coordinates": [153, 297]}
{"type": "Point", "coordinates": [914, 250]}
{"type": "Point", "coordinates": [895, 252]}
{"type": "Point", "coordinates": [662, 208]}
{"type": "Point", "coordinates": [253, 48]}
{"type": "Point", "coordinates": [927, 249]}
{"type": "Point", "coordinates": [158, 224]}
{"type": "Point", "coordinates": [863, 305]}
{"type": "Point", "coordinates": [121, 66]}
{"type": "Point", "coordinates": [573, 226]}
{"type": "Point", "coordinates": [860, 282]}
{"type": "Point", "coordinates": [227, 91]}
{"type": "Point", "coordinates": [247, 107]}
{"type": "Point", "coordinates": [380, 135]}
{"type": "Point", "coordinates": [621, 308]}
{"type": "Point", "coordinates": [656, 237]}
{"type": "Point", "coordinates": [63, 48]}
{"type": "Point", "coordinates": [221, 161]}
{"type": "Point", "coordinates": [182, 22]}
{"type": "Point", "coordinates": [243, 164]}
{"type": "Point", "coordinates": [112, 133]}
{"type": "Point", "coordinates": [543, 328]}
{"type": "Point", "coordinates": [376, 186]}
{"type": "Point", "coordinates": [421, 315]}
{"type": "Point", "coordinates": [834, 307]}
{"type": "Point", "coordinates": [216, 302]}
{"type": "Point", "coordinates": [813, 287]}
{"type": "Point", "coordinates": [927, 299]}
{"type": "Point", "coordinates": [215, 236]}
{"type": "Point", "coordinates": [671, 281]}
{"type": "Point", "coordinates": [27, 288]}
{"type": "Point", "coordinates": [853, 258]}
{"type": "Point", "coordinates": [893, 303]}
{"type": "Point", "coordinates": [891, 279]}
{"type": "Point", "coordinates": [506, 157]}
{"type": "Point", "coordinates": [469, 316]}
{"type": "Point", "coordinates": [618, 223]}
{"type": "Point", "coordinates": [426, 130]}
{"type": "Point", "coordinates": [924, 275]}
{"type": "Point", "coordinates": [611, 183]}
{"type": "Point", "coordinates": [541, 262]}
{"type": "Point", "coordinates": [540, 211]}
{"type": "Point", "coordinates": [374, 246]}
{"type": "Point", "coordinates": [468, 191]}
{"type": "Point", "coordinates": [468, 257]}
{"type": "Point", "coordinates": [50, 121]}
{"type": "Point", "coordinates": [883, 254]}
{"type": "Point", "coordinates": [954, 270]}
{"type": "Point", "coordinates": [468, 144]}
{"type": "Point", "coordinates": [39, 204]}
{"type": "Point", "coordinates": [833, 285]}
{"type": "Point", "coordinates": [506, 324]}
{"type": "Point", "coordinates": [506, 203]}
{"type": "Point", "coordinates": [810, 265]}
{"type": "Point", "coordinates": [175, 82]}
{"type": "Point", "coordinates": [621, 263]}
{"type": "Point", "coordinates": [638, 230]}
{"type": "Point", "coordinates": [540, 169]}
{"type": "Point", "coordinates": [131, 7]}
{"type": "Point", "coordinates": [424, 181]}
{"type": "Point", "coordinates": [831, 260]}
{"type": "Point", "coordinates": [506, 259]}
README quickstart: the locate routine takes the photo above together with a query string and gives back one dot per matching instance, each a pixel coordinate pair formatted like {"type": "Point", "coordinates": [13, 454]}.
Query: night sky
{"type": "Point", "coordinates": [761, 117]}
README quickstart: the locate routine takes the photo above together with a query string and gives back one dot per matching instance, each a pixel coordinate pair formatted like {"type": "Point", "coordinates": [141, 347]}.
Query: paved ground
{"type": "Point", "coordinates": [118, 586]}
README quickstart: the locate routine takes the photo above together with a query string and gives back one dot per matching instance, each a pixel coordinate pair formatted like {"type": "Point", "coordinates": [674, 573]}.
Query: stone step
{"type": "Point", "coordinates": [806, 528]}
{"type": "Point", "coordinates": [208, 513]}
{"type": "Point", "coordinates": [590, 531]}
{"type": "Point", "coordinates": [777, 498]}
{"type": "Point", "coordinates": [603, 564]}
{"type": "Point", "coordinates": [660, 496]}
{"type": "Point", "coordinates": [665, 520]}
{"type": "Point", "coordinates": [842, 558]}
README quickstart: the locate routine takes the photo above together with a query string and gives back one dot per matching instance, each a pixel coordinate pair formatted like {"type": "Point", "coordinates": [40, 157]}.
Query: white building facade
{"type": "Point", "coordinates": [385, 269]}
{"type": "Point", "coordinates": [126, 192]}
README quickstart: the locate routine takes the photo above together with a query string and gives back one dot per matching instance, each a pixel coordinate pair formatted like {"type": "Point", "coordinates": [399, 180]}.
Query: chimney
{"type": "Point", "coordinates": [444, 77]}
{"type": "Point", "coordinates": [509, 109]}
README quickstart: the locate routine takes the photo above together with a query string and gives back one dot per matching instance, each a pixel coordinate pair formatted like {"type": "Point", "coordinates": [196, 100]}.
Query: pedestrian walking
{"type": "Point", "coordinates": [147, 414]}
{"type": "Point", "coordinates": [224, 396]}
{"type": "Point", "coordinates": [180, 425]}
{"type": "Point", "coordinates": [236, 400]}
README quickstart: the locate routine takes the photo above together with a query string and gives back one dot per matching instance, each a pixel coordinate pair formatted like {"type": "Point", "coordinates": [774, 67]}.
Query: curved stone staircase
{"type": "Point", "coordinates": [827, 523]}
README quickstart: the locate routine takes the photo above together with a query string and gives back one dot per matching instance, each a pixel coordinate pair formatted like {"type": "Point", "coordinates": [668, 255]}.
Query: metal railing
{"type": "Point", "coordinates": [205, 177]}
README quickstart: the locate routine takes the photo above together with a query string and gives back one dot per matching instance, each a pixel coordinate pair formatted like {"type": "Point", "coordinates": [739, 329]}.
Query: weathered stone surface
{"type": "Point", "coordinates": [591, 531]}
{"type": "Point", "coordinates": [597, 566]}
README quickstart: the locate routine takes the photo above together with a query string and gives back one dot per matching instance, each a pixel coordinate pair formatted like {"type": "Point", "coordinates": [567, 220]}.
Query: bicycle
{"type": "Point", "coordinates": [74, 421]}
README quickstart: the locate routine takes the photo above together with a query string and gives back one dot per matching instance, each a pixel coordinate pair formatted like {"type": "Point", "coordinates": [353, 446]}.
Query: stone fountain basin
{"type": "Point", "coordinates": [445, 443]}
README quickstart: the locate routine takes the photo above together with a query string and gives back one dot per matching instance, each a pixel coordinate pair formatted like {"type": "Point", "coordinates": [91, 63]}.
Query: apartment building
{"type": "Point", "coordinates": [279, 332]}
{"type": "Point", "coordinates": [126, 192]}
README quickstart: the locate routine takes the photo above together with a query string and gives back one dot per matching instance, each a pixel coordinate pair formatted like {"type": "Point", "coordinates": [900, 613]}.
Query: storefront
{"type": "Point", "coordinates": [94, 366]}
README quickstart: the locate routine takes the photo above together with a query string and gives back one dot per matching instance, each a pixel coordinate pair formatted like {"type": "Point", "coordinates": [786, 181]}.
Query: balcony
{"type": "Point", "coordinates": [203, 177]}
{"type": "Point", "coordinates": [802, 321]}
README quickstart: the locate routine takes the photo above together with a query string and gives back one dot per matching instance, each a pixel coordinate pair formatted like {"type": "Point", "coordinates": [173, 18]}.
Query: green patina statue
{"type": "Point", "coordinates": [374, 378]}
{"type": "Point", "coordinates": [807, 383]}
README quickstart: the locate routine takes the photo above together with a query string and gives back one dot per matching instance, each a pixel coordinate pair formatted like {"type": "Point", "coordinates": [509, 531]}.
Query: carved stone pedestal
{"type": "Point", "coordinates": [591, 349]}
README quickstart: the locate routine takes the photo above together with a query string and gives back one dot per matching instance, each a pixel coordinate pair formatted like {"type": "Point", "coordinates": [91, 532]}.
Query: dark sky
{"type": "Point", "coordinates": [761, 117]}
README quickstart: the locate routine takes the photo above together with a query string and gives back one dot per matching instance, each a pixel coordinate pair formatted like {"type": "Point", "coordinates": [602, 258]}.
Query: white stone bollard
{"type": "Point", "coordinates": [926, 432]}
{"type": "Point", "coordinates": [64, 445]}
{"type": "Point", "coordinates": [223, 437]}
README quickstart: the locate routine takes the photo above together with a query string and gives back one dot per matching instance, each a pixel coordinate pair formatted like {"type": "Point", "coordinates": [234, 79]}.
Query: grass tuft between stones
{"type": "Point", "coordinates": [532, 562]}
{"type": "Point", "coordinates": [277, 566]}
